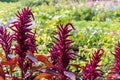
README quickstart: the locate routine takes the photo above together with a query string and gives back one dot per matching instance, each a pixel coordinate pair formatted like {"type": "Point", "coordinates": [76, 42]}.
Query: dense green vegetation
{"type": "Point", "coordinates": [96, 27]}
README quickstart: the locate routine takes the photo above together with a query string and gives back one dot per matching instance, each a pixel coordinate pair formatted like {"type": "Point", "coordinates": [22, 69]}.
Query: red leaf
{"type": "Point", "coordinates": [75, 65]}
{"type": "Point", "coordinates": [36, 68]}
{"type": "Point", "coordinates": [44, 75]}
{"type": "Point", "coordinates": [44, 59]}
{"type": "Point", "coordinates": [1, 78]}
{"type": "Point", "coordinates": [71, 75]}
{"type": "Point", "coordinates": [2, 74]}
{"type": "Point", "coordinates": [32, 58]}
{"type": "Point", "coordinates": [10, 62]}
{"type": "Point", "coordinates": [41, 58]}
{"type": "Point", "coordinates": [111, 76]}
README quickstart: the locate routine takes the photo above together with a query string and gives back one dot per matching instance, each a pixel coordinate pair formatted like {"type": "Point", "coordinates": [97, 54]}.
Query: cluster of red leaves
{"type": "Point", "coordinates": [5, 41]}
{"type": "Point", "coordinates": [61, 52]}
{"type": "Point", "coordinates": [91, 71]}
{"type": "Point", "coordinates": [25, 40]}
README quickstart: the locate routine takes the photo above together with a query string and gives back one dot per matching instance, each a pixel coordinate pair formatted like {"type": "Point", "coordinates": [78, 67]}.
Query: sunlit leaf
{"type": "Point", "coordinates": [1, 78]}
{"type": "Point", "coordinates": [111, 76]}
{"type": "Point", "coordinates": [75, 65]}
{"type": "Point", "coordinates": [48, 70]}
{"type": "Point", "coordinates": [44, 75]}
{"type": "Point", "coordinates": [11, 56]}
{"type": "Point", "coordinates": [32, 58]}
{"type": "Point", "coordinates": [10, 78]}
{"type": "Point", "coordinates": [2, 56]}
{"type": "Point", "coordinates": [10, 62]}
{"type": "Point", "coordinates": [71, 75]}
{"type": "Point", "coordinates": [41, 58]}
{"type": "Point", "coordinates": [44, 59]}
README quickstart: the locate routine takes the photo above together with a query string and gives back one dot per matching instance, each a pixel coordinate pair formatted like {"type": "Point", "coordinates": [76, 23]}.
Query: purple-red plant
{"type": "Point", "coordinates": [25, 38]}
{"type": "Point", "coordinates": [24, 48]}
{"type": "Point", "coordinates": [91, 71]}
{"type": "Point", "coordinates": [6, 41]}
{"type": "Point", "coordinates": [117, 59]}
{"type": "Point", "coordinates": [115, 71]}
{"type": "Point", "coordinates": [61, 53]}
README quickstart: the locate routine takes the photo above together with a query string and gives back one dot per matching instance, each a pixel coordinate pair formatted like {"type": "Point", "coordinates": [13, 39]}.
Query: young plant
{"type": "Point", "coordinates": [61, 52]}
{"type": "Point", "coordinates": [91, 71]}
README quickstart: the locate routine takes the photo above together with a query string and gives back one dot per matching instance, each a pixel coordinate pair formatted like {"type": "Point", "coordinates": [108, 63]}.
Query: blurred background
{"type": "Point", "coordinates": [97, 24]}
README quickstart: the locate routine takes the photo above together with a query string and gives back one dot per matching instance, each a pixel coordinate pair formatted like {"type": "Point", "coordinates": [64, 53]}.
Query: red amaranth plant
{"type": "Point", "coordinates": [6, 41]}
{"type": "Point", "coordinates": [25, 38]}
{"type": "Point", "coordinates": [115, 71]}
{"type": "Point", "coordinates": [91, 71]}
{"type": "Point", "coordinates": [61, 52]}
{"type": "Point", "coordinates": [24, 48]}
